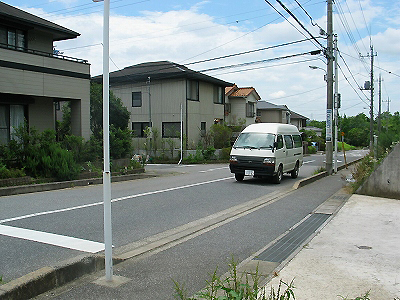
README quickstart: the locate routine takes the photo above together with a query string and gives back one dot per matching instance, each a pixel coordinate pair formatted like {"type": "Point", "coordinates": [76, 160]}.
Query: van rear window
{"type": "Point", "coordinates": [297, 141]}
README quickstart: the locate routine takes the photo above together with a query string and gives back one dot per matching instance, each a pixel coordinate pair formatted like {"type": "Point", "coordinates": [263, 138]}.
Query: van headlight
{"type": "Point", "coordinates": [269, 161]}
{"type": "Point", "coordinates": [233, 159]}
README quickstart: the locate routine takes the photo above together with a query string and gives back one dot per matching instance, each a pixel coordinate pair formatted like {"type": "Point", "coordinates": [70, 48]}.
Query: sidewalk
{"type": "Point", "coordinates": [356, 252]}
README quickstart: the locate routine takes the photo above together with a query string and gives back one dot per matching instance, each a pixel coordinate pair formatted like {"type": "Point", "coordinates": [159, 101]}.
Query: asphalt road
{"type": "Point", "coordinates": [144, 208]}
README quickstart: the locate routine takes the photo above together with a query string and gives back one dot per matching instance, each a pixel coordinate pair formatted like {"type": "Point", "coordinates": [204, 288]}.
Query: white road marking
{"type": "Point", "coordinates": [210, 170]}
{"type": "Point", "coordinates": [113, 200]}
{"type": "Point", "coordinates": [52, 239]}
{"type": "Point", "coordinates": [308, 161]}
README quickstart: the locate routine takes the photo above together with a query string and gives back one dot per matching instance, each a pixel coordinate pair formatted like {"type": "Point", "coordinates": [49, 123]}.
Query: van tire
{"type": "Point", "coordinates": [295, 171]}
{"type": "Point", "coordinates": [278, 176]}
{"type": "Point", "coordinates": [239, 177]}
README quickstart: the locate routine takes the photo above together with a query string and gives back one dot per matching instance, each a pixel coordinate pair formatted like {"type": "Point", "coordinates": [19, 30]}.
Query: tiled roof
{"type": "Point", "coordinates": [235, 91]}
{"type": "Point", "coordinates": [157, 71]}
{"type": "Point", "coordinates": [12, 14]}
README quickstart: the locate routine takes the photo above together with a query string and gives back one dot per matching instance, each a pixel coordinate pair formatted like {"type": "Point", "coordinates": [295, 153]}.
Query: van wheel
{"type": "Point", "coordinates": [278, 176]}
{"type": "Point", "coordinates": [239, 177]}
{"type": "Point", "coordinates": [295, 171]}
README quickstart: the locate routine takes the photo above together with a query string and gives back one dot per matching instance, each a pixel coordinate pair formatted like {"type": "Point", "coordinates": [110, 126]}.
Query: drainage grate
{"type": "Point", "coordinates": [282, 249]}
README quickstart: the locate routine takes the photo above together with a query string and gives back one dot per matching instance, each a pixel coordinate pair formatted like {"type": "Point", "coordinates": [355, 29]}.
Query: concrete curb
{"type": "Point", "coordinates": [33, 188]}
{"type": "Point", "coordinates": [311, 179]}
{"type": "Point", "coordinates": [47, 278]}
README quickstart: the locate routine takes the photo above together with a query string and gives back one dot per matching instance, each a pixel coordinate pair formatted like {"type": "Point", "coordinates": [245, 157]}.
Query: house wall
{"type": "Point", "coordinates": [271, 116]}
{"type": "Point", "coordinates": [40, 41]}
{"type": "Point", "coordinates": [166, 98]}
{"type": "Point", "coordinates": [41, 114]}
{"type": "Point", "coordinates": [29, 77]}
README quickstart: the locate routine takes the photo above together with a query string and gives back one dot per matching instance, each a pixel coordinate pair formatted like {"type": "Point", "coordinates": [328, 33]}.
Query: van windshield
{"type": "Point", "coordinates": [255, 140]}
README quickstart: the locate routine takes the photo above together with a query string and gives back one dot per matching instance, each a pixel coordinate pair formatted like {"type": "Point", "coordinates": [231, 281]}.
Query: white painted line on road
{"type": "Point", "coordinates": [52, 239]}
{"type": "Point", "coordinates": [210, 170]}
{"type": "Point", "coordinates": [113, 200]}
{"type": "Point", "coordinates": [308, 161]}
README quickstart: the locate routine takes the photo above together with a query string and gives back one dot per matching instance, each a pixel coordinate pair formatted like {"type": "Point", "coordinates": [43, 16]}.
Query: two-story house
{"type": "Point", "coordinates": [33, 80]}
{"type": "Point", "coordinates": [268, 112]}
{"type": "Point", "coordinates": [155, 93]}
{"type": "Point", "coordinates": [240, 104]}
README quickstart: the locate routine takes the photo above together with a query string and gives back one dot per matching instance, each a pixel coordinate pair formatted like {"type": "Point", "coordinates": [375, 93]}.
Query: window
{"type": "Point", "coordinates": [13, 38]}
{"type": "Point", "coordinates": [171, 129]}
{"type": "Point", "coordinates": [288, 141]}
{"type": "Point", "coordinates": [11, 117]}
{"type": "Point", "coordinates": [297, 141]}
{"type": "Point", "coordinates": [279, 141]}
{"type": "Point", "coordinates": [218, 95]}
{"type": "Point", "coordinates": [192, 90]}
{"type": "Point", "coordinates": [250, 109]}
{"type": "Point", "coordinates": [138, 128]}
{"type": "Point", "coordinates": [136, 99]}
{"type": "Point", "coordinates": [203, 129]}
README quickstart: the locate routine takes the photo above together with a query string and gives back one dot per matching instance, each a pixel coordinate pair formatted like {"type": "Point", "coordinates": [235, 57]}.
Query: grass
{"type": "Point", "coordinates": [235, 287]}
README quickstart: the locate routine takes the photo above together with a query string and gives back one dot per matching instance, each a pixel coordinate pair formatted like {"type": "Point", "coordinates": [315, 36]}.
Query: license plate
{"type": "Point", "coordinates": [249, 172]}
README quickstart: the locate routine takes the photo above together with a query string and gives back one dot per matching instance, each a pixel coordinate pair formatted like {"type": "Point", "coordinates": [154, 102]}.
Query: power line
{"type": "Point", "coordinates": [297, 20]}
{"type": "Point", "coordinates": [246, 52]}
{"type": "Point", "coordinates": [315, 52]}
{"type": "Point", "coordinates": [269, 3]}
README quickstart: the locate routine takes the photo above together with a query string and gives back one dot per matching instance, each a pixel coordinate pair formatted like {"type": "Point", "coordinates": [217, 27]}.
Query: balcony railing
{"type": "Point", "coordinates": [42, 53]}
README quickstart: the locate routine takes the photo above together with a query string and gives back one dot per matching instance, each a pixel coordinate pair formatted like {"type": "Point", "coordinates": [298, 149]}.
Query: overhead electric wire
{"type": "Point", "coordinates": [269, 3]}
{"type": "Point", "coordinates": [261, 61]}
{"type": "Point", "coordinates": [246, 52]}
{"type": "Point", "coordinates": [297, 20]}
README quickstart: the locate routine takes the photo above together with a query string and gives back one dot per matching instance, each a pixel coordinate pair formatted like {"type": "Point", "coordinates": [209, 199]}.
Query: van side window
{"type": "Point", "coordinates": [279, 141]}
{"type": "Point", "coordinates": [288, 141]}
{"type": "Point", "coordinates": [297, 141]}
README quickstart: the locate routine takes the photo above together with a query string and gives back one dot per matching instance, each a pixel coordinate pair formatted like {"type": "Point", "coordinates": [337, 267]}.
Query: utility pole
{"type": "Point", "coordinates": [380, 106]}
{"type": "Point", "coordinates": [329, 100]}
{"type": "Point", "coordinates": [371, 107]}
{"type": "Point", "coordinates": [336, 103]}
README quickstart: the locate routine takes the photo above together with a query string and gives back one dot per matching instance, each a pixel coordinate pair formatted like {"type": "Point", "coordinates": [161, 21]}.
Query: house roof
{"type": "Point", "coordinates": [12, 14]}
{"type": "Point", "coordinates": [294, 115]}
{"type": "Point", "coordinates": [235, 91]}
{"type": "Point", "coordinates": [264, 105]}
{"type": "Point", "coordinates": [157, 71]}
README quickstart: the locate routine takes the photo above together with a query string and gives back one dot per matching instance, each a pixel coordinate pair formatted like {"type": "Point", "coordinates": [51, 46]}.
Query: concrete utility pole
{"type": "Point", "coordinates": [380, 106]}
{"type": "Point", "coordinates": [329, 102]}
{"type": "Point", "coordinates": [336, 103]}
{"type": "Point", "coordinates": [371, 109]}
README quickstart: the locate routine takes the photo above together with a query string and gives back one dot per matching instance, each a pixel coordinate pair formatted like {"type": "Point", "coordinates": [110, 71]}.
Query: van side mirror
{"type": "Point", "coordinates": [275, 146]}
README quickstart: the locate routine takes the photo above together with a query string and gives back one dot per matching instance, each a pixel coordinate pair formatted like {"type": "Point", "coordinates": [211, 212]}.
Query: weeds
{"type": "Point", "coordinates": [364, 297]}
{"type": "Point", "coordinates": [319, 170]}
{"type": "Point", "coordinates": [237, 287]}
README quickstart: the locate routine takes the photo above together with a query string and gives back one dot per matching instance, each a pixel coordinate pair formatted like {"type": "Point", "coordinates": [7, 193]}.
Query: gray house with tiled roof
{"type": "Point", "coordinates": [33, 80]}
{"type": "Point", "coordinates": [154, 93]}
{"type": "Point", "coordinates": [240, 104]}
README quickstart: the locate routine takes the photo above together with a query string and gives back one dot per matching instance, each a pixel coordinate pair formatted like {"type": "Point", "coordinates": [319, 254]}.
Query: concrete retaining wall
{"type": "Point", "coordinates": [384, 181]}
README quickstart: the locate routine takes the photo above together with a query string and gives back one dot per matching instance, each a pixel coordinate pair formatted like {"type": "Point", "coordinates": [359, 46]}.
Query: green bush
{"type": "Point", "coordinates": [222, 135]}
{"type": "Point", "coordinates": [10, 173]}
{"type": "Point", "coordinates": [312, 150]}
{"type": "Point", "coordinates": [225, 153]}
{"type": "Point", "coordinates": [208, 153]}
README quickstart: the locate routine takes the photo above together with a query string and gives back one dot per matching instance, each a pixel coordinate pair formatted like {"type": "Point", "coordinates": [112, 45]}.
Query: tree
{"type": "Point", "coordinates": [119, 114]}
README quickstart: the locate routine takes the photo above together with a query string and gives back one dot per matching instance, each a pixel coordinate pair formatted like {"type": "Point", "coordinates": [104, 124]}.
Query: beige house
{"type": "Point", "coordinates": [298, 120]}
{"type": "Point", "coordinates": [155, 93]}
{"type": "Point", "coordinates": [33, 80]}
{"type": "Point", "coordinates": [240, 104]}
{"type": "Point", "coordinates": [268, 112]}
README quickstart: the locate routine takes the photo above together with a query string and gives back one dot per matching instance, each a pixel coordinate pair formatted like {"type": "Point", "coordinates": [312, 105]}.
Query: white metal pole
{"type": "Point", "coordinates": [106, 144]}
{"type": "Point", "coordinates": [180, 161]}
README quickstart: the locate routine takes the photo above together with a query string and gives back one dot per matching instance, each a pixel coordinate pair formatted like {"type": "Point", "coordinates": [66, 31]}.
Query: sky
{"type": "Point", "coordinates": [277, 60]}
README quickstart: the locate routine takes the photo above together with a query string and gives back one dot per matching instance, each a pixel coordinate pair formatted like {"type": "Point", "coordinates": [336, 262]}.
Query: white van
{"type": "Point", "coordinates": [267, 149]}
